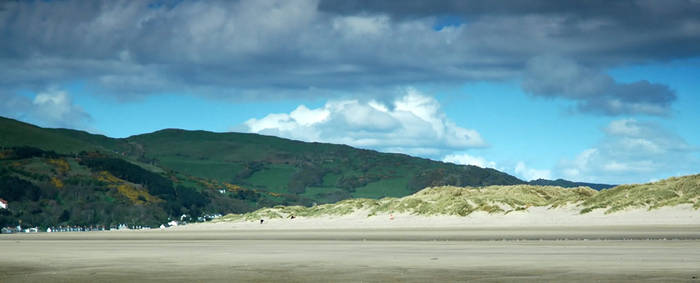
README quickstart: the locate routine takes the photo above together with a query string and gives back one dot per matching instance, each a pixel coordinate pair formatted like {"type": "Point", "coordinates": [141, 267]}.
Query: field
{"type": "Point", "coordinates": [631, 253]}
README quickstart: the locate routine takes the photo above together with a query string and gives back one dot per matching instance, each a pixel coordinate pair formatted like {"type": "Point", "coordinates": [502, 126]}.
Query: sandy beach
{"type": "Point", "coordinates": [340, 249]}
{"type": "Point", "coordinates": [195, 260]}
{"type": "Point", "coordinates": [566, 216]}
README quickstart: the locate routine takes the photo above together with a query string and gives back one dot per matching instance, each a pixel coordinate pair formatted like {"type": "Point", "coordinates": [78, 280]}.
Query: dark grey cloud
{"type": "Point", "coordinates": [270, 49]}
{"type": "Point", "coordinates": [595, 91]}
{"type": "Point", "coordinates": [638, 12]}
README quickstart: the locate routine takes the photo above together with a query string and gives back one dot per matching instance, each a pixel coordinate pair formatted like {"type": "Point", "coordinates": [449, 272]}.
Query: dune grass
{"type": "Point", "coordinates": [667, 192]}
{"type": "Point", "coordinates": [436, 201]}
{"type": "Point", "coordinates": [462, 201]}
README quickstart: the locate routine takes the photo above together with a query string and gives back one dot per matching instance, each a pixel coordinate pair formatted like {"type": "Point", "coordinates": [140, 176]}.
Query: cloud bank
{"type": "Point", "coordinates": [279, 49]}
{"type": "Point", "coordinates": [412, 124]}
{"type": "Point", "coordinates": [594, 91]}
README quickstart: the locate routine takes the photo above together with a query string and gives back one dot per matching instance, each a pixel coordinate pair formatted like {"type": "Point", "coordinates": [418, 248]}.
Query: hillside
{"type": "Point", "coordinates": [462, 201]}
{"type": "Point", "coordinates": [62, 176]}
{"type": "Point", "coordinates": [45, 188]}
{"type": "Point", "coordinates": [323, 172]}
{"type": "Point", "coordinates": [315, 171]}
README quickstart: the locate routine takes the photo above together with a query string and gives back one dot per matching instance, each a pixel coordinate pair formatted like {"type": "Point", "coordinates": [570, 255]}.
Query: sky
{"type": "Point", "coordinates": [593, 91]}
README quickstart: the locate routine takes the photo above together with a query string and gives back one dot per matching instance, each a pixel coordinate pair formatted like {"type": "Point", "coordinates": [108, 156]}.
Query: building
{"type": "Point", "coordinates": [3, 204]}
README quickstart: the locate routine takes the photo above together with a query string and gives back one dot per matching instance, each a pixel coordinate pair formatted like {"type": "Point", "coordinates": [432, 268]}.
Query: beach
{"type": "Point", "coordinates": [286, 251]}
{"type": "Point", "coordinates": [536, 216]}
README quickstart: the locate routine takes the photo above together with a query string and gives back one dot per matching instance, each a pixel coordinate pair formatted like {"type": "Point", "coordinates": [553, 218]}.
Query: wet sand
{"type": "Point", "coordinates": [628, 253]}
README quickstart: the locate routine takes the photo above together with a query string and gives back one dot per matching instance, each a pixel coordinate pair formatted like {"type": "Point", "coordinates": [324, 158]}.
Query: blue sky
{"type": "Point", "coordinates": [541, 91]}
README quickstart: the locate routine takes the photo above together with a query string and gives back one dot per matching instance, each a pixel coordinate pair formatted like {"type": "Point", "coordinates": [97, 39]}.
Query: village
{"type": "Point", "coordinates": [183, 220]}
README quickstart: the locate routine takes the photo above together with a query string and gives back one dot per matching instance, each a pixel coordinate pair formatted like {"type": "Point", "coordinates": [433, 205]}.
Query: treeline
{"type": "Point", "coordinates": [24, 152]}
{"type": "Point", "coordinates": [156, 184]}
{"type": "Point", "coordinates": [16, 189]}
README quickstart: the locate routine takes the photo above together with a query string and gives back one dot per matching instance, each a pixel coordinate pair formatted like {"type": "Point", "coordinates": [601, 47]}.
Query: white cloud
{"type": "Point", "coordinates": [529, 174]}
{"type": "Point", "coordinates": [521, 170]}
{"type": "Point", "coordinates": [55, 108]}
{"type": "Point", "coordinates": [631, 151]}
{"type": "Point", "coordinates": [466, 159]}
{"type": "Point", "coordinates": [624, 127]}
{"type": "Point", "coordinates": [412, 123]}
{"type": "Point", "coordinates": [49, 108]}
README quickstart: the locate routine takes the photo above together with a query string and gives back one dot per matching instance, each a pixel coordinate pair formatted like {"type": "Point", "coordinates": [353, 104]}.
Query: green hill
{"type": "Point", "coordinates": [69, 177]}
{"type": "Point", "coordinates": [462, 201]}
{"type": "Point", "coordinates": [319, 171]}
{"type": "Point", "coordinates": [54, 176]}
{"type": "Point", "coordinates": [316, 172]}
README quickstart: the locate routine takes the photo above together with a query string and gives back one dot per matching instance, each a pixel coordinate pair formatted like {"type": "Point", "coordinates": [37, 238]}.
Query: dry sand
{"type": "Point", "coordinates": [568, 216]}
{"type": "Point", "coordinates": [435, 249]}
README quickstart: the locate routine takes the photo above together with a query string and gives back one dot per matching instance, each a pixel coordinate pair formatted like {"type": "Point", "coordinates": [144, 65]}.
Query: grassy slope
{"type": "Point", "coordinates": [316, 172]}
{"type": "Point", "coordinates": [13, 133]}
{"type": "Point", "coordinates": [333, 171]}
{"type": "Point", "coordinates": [275, 164]}
{"type": "Point", "coordinates": [504, 199]}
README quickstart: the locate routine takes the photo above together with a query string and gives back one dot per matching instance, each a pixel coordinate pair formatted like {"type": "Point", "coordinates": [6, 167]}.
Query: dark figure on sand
{"type": "Point", "coordinates": [261, 221]}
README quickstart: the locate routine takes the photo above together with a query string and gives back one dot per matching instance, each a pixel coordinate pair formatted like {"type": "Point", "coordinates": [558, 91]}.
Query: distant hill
{"type": "Point", "coordinates": [171, 172]}
{"type": "Point", "coordinates": [462, 201]}
{"type": "Point", "coordinates": [318, 172]}
{"type": "Point", "coordinates": [69, 177]}
{"type": "Point", "coordinates": [569, 184]}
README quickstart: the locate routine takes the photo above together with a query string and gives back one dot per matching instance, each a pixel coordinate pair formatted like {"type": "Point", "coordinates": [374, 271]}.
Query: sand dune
{"type": "Point", "coordinates": [566, 216]}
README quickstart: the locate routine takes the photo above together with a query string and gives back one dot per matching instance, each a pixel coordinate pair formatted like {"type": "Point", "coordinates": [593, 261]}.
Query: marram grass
{"type": "Point", "coordinates": [668, 192]}
{"type": "Point", "coordinates": [450, 200]}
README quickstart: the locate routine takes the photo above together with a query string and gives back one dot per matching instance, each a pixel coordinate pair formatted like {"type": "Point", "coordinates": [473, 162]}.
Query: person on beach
{"type": "Point", "coordinates": [261, 221]}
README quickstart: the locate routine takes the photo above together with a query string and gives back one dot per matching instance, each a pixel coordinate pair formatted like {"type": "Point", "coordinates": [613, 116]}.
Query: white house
{"type": "Point", "coordinates": [3, 204]}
